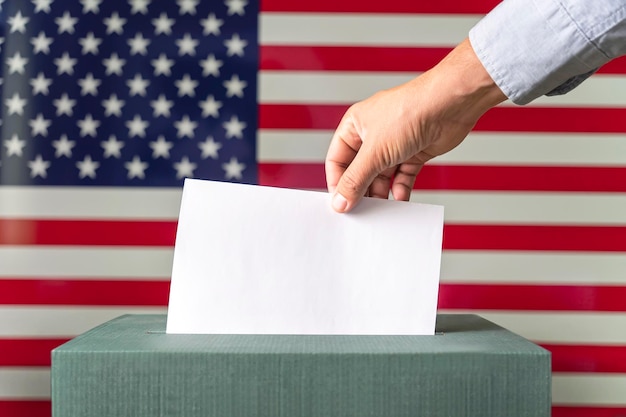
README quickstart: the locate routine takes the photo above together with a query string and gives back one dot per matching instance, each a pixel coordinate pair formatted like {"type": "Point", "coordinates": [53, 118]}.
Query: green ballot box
{"type": "Point", "coordinates": [130, 367]}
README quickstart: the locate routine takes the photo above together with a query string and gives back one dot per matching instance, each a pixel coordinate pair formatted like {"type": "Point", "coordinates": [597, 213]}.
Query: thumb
{"type": "Point", "coordinates": [354, 181]}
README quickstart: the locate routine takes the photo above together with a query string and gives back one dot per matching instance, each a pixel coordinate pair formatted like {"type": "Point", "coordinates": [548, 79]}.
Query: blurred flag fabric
{"type": "Point", "coordinates": [107, 106]}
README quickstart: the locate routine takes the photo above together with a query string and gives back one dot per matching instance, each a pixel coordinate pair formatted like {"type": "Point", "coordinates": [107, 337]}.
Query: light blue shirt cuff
{"type": "Point", "coordinates": [535, 47]}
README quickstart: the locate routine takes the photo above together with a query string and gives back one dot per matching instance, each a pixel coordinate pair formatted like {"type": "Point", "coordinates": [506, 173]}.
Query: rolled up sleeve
{"type": "Point", "coordinates": [535, 47]}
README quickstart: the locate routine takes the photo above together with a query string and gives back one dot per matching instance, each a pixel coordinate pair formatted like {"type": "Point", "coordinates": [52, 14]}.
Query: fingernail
{"type": "Point", "coordinates": [339, 203]}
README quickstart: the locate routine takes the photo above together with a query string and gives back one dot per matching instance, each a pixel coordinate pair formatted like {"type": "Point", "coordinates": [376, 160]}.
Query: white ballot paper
{"type": "Point", "coordinates": [262, 260]}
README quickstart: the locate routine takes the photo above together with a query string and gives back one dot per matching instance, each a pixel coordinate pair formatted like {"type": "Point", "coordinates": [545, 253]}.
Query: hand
{"type": "Point", "coordinates": [382, 142]}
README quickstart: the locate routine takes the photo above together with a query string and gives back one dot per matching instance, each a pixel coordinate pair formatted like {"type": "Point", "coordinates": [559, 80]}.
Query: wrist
{"type": "Point", "coordinates": [465, 81]}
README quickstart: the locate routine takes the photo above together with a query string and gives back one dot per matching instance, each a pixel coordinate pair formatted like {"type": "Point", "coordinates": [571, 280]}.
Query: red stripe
{"type": "Point", "coordinates": [535, 238]}
{"type": "Point", "coordinates": [91, 293]}
{"type": "Point", "coordinates": [456, 236]}
{"type": "Point", "coordinates": [44, 409]}
{"type": "Point", "coordinates": [87, 232]}
{"type": "Point", "coordinates": [565, 358]}
{"type": "Point", "coordinates": [533, 297]}
{"type": "Point", "coordinates": [27, 352]}
{"type": "Point", "coordinates": [341, 58]}
{"type": "Point", "coordinates": [368, 58]}
{"type": "Point", "coordinates": [579, 411]}
{"type": "Point", "coordinates": [468, 177]}
{"type": "Point", "coordinates": [32, 408]}
{"type": "Point", "coordinates": [584, 358]}
{"type": "Point", "coordinates": [396, 6]}
{"type": "Point", "coordinates": [451, 296]}
{"type": "Point", "coordinates": [617, 66]}
{"type": "Point", "coordinates": [499, 119]}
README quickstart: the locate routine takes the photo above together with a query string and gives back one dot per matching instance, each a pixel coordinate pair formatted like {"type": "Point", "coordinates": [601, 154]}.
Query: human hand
{"type": "Point", "coordinates": [382, 142]}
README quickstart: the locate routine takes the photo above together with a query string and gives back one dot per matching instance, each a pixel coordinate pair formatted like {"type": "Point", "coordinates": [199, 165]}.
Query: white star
{"type": "Point", "coordinates": [63, 147]}
{"type": "Point", "coordinates": [66, 23]}
{"type": "Point", "coordinates": [186, 86]}
{"type": "Point", "coordinates": [163, 25]}
{"type": "Point", "coordinates": [88, 126]}
{"type": "Point", "coordinates": [161, 148]}
{"type": "Point", "coordinates": [112, 147]}
{"type": "Point", "coordinates": [236, 7]}
{"type": "Point", "coordinates": [14, 146]}
{"type": "Point", "coordinates": [18, 23]}
{"type": "Point", "coordinates": [136, 168]}
{"type": "Point", "coordinates": [210, 107]}
{"type": "Point", "coordinates": [16, 63]}
{"type": "Point", "coordinates": [185, 127]}
{"type": "Point", "coordinates": [41, 43]}
{"type": "Point", "coordinates": [91, 6]}
{"type": "Point", "coordinates": [184, 168]}
{"type": "Point", "coordinates": [137, 85]}
{"type": "Point", "coordinates": [211, 66]}
{"type": "Point", "coordinates": [42, 5]}
{"type": "Point", "coordinates": [234, 128]}
{"type": "Point", "coordinates": [211, 25]}
{"type": "Point", "coordinates": [115, 24]}
{"type": "Point", "coordinates": [113, 64]}
{"type": "Point", "coordinates": [113, 106]}
{"type": "Point", "coordinates": [233, 169]}
{"type": "Point", "coordinates": [65, 64]}
{"type": "Point", "coordinates": [38, 167]}
{"type": "Point", "coordinates": [39, 126]}
{"type": "Point", "coordinates": [139, 6]}
{"type": "Point", "coordinates": [187, 45]}
{"type": "Point", "coordinates": [15, 104]}
{"type": "Point", "coordinates": [41, 84]}
{"type": "Point", "coordinates": [64, 105]}
{"type": "Point", "coordinates": [235, 86]}
{"type": "Point", "coordinates": [87, 167]}
{"type": "Point", "coordinates": [162, 65]}
{"type": "Point", "coordinates": [187, 6]}
{"type": "Point", "coordinates": [235, 45]}
{"type": "Point", "coordinates": [89, 85]}
{"type": "Point", "coordinates": [90, 44]}
{"type": "Point", "coordinates": [138, 45]}
{"type": "Point", "coordinates": [209, 148]}
{"type": "Point", "coordinates": [137, 127]}
{"type": "Point", "coordinates": [161, 106]}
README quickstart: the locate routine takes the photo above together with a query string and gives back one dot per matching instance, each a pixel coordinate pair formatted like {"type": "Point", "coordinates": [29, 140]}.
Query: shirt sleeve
{"type": "Point", "coordinates": [536, 47]}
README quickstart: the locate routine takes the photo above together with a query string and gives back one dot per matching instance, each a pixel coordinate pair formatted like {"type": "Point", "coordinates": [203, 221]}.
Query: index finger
{"type": "Point", "coordinates": [341, 152]}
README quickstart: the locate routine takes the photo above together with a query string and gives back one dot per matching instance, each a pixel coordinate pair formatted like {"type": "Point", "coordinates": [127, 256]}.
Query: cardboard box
{"type": "Point", "coordinates": [130, 367]}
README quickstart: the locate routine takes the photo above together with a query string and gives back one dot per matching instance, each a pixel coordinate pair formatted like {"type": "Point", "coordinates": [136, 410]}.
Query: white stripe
{"type": "Point", "coordinates": [589, 389]}
{"type": "Point", "coordinates": [543, 268]}
{"type": "Point", "coordinates": [496, 267]}
{"type": "Point", "coordinates": [364, 29]}
{"type": "Point", "coordinates": [292, 145]}
{"type": "Point", "coordinates": [575, 328]}
{"type": "Point", "coordinates": [567, 389]}
{"type": "Point", "coordinates": [461, 207]}
{"type": "Point", "coordinates": [580, 149]}
{"type": "Point", "coordinates": [89, 203]}
{"type": "Point", "coordinates": [529, 208]}
{"type": "Point", "coordinates": [86, 262]}
{"type": "Point", "coordinates": [565, 328]}
{"type": "Point", "coordinates": [331, 87]}
{"type": "Point", "coordinates": [327, 87]}
{"type": "Point", "coordinates": [572, 149]}
{"type": "Point", "coordinates": [60, 321]}
{"type": "Point", "coordinates": [31, 383]}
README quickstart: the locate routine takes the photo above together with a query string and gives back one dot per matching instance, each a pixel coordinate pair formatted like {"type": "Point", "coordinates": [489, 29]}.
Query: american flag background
{"type": "Point", "coordinates": [108, 105]}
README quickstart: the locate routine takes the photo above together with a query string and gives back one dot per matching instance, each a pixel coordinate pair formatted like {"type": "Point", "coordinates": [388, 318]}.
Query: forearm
{"type": "Point", "coordinates": [464, 84]}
